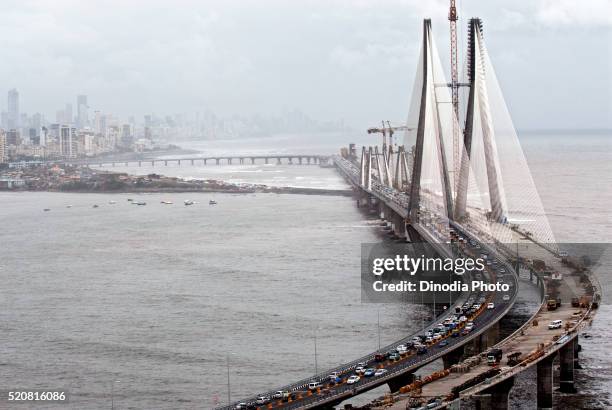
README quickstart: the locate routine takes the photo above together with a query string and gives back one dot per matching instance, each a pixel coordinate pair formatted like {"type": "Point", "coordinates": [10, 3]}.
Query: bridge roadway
{"type": "Point", "coordinates": [333, 394]}
{"type": "Point", "coordinates": [217, 159]}
{"type": "Point", "coordinates": [538, 345]}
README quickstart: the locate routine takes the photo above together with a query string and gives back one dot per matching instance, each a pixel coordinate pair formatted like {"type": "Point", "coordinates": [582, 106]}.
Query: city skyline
{"type": "Point", "coordinates": [331, 61]}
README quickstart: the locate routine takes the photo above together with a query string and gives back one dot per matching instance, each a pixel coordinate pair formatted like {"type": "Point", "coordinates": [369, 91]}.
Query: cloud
{"type": "Point", "coordinates": [575, 12]}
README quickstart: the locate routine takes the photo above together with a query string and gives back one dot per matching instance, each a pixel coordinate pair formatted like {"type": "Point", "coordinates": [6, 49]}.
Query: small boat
{"type": "Point", "coordinates": [129, 199]}
{"type": "Point", "coordinates": [46, 209]}
{"type": "Point", "coordinates": [140, 203]}
{"type": "Point", "coordinates": [167, 202]}
{"type": "Point", "coordinates": [212, 202]}
{"type": "Point", "coordinates": [95, 206]}
{"type": "Point", "coordinates": [189, 202]}
{"type": "Point", "coordinates": [68, 206]}
{"type": "Point", "coordinates": [112, 202]}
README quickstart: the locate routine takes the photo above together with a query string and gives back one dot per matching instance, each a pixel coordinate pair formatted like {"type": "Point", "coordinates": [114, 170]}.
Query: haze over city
{"type": "Point", "coordinates": [334, 61]}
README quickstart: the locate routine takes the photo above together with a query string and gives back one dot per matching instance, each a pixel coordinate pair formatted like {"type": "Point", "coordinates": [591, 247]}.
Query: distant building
{"type": "Point", "coordinates": [126, 135]}
{"type": "Point", "coordinates": [68, 118]}
{"type": "Point", "coordinates": [82, 108]}
{"type": "Point", "coordinates": [34, 136]}
{"type": "Point", "coordinates": [12, 137]}
{"type": "Point", "coordinates": [67, 142]}
{"type": "Point", "coordinates": [13, 109]}
{"type": "Point", "coordinates": [3, 153]}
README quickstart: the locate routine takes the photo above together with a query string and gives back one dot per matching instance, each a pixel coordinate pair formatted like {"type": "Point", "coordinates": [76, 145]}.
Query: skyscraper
{"type": "Point", "coordinates": [2, 146]}
{"type": "Point", "coordinates": [13, 109]}
{"type": "Point", "coordinates": [68, 113]}
{"type": "Point", "coordinates": [82, 107]}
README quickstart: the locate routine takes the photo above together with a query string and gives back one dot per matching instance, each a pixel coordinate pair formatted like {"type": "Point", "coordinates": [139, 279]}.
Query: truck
{"type": "Point", "coordinates": [553, 303]}
{"type": "Point", "coordinates": [494, 357]}
{"type": "Point", "coordinates": [514, 358]}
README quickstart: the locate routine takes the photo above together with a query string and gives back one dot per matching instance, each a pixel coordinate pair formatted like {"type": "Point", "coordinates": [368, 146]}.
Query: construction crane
{"type": "Point", "coordinates": [452, 18]}
{"type": "Point", "coordinates": [388, 130]}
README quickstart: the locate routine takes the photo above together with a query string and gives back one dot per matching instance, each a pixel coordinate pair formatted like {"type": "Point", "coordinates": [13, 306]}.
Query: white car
{"type": "Point", "coordinates": [262, 400]}
{"type": "Point", "coordinates": [360, 370]}
{"type": "Point", "coordinates": [353, 379]}
{"type": "Point", "coordinates": [380, 372]}
{"type": "Point", "coordinates": [314, 385]}
{"type": "Point", "coordinates": [490, 305]}
{"type": "Point", "coordinates": [555, 324]}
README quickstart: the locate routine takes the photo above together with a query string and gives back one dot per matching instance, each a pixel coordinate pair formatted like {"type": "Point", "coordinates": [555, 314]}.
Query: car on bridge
{"type": "Point", "coordinates": [380, 372]}
{"type": "Point", "coordinates": [262, 400]}
{"type": "Point", "coordinates": [369, 372]}
{"type": "Point", "coordinates": [353, 379]}
{"type": "Point", "coordinates": [314, 386]}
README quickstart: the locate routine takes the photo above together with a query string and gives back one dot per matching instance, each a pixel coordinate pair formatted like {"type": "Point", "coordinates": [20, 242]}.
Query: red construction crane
{"type": "Point", "coordinates": [452, 18]}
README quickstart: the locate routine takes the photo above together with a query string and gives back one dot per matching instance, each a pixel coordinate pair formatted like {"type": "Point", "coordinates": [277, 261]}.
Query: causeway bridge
{"type": "Point", "coordinates": [461, 196]}
{"type": "Point", "coordinates": [291, 159]}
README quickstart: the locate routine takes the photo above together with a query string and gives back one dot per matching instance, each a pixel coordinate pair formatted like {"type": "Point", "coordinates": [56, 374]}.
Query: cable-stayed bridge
{"type": "Point", "coordinates": [482, 197]}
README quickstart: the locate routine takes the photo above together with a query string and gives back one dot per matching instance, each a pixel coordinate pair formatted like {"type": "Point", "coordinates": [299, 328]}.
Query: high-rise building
{"type": "Point", "coordinates": [68, 114]}
{"type": "Point", "coordinates": [67, 141]}
{"type": "Point", "coordinates": [12, 137]}
{"type": "Point", "coordinates": [82, 107]}
{"type": "Point", "coordinates": [13, 109]}
{"type": "Point", "coordinates": [3, 156]}
{"type": "Point", "coordinates": [34, 136]}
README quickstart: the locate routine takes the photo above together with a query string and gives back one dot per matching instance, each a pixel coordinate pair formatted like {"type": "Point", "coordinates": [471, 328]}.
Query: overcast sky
{"type": "Point", "coordinates": [332, 59]}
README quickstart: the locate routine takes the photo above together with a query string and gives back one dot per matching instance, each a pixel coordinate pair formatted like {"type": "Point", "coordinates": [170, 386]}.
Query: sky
{"type": "Point", "coordinates": [353, 60]}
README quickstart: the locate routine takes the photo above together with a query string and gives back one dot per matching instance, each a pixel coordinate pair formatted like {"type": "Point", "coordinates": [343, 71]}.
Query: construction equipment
{"type": "Point", "coordinates": [553, 304]}
{"type": "Point", "coordinates": [388, 130]}
{"type": "Point", "coordinates": [452, 18]}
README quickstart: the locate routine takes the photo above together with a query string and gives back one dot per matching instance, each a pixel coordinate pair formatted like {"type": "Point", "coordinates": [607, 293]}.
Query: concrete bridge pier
{"type": "Point", "coordinates": [399, 226]}
{"type": "Point", "coordinates": [400, 381]}
{"type": "Point", "coordinates": [545, 383]}
{"type": "Point", "coordinates": [179, 162]}
{"type": "Point", "coordinates": [266, 160]}
{"type": "Point", "coordinates": [252, 161]}
{"type": "Point", "coordinates": [300, 160]}
{"type": "Point", "coordinates": [278, 161]}
{"type": "Point", "coordinates": [495, 397]}
{"type": "Point", "coordinates": [566, 360]}
{"type": "Point", "coordinates": [229, 161]}
{"type": "Point", "coordinates": [290, 161]}
{"type": "Point", "coordinates": [241, 160]}
{"type": "Point", "coordinates": [152, 163]}
{"type": "Point", "coordinates": [217, 159]}
{"type": "Point", "coordinates": [308, 160]}
{"type": "Point", "coordinates": [139, 163]}
{"type": "Point", "coordinates": [204, 161]}
{"type": "Point", "coordinates": [166, 163]}
{"type": "Point", "coordinates": [191, 162]}
{"type": "Point", "coordinates": [453, 357]}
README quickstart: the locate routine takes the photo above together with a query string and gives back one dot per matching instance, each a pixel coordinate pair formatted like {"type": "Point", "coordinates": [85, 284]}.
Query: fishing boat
{"type": "Point", "coordinates": [140, 203]}
{"type": "Point", "coordinates": [188, 202]}
{"type": "Point", "coordinates": [167, 202]}
{"type": "Point", "coordinates": [68, 206]}
{"type": "Point", "coordinates": [95, 206]}
{"type": "Point", "coordinates": [112, 202]}
{"type": "Point", "coordinates": [46, 209]}
{"type": "Point", "coordinates": [212, 202]}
